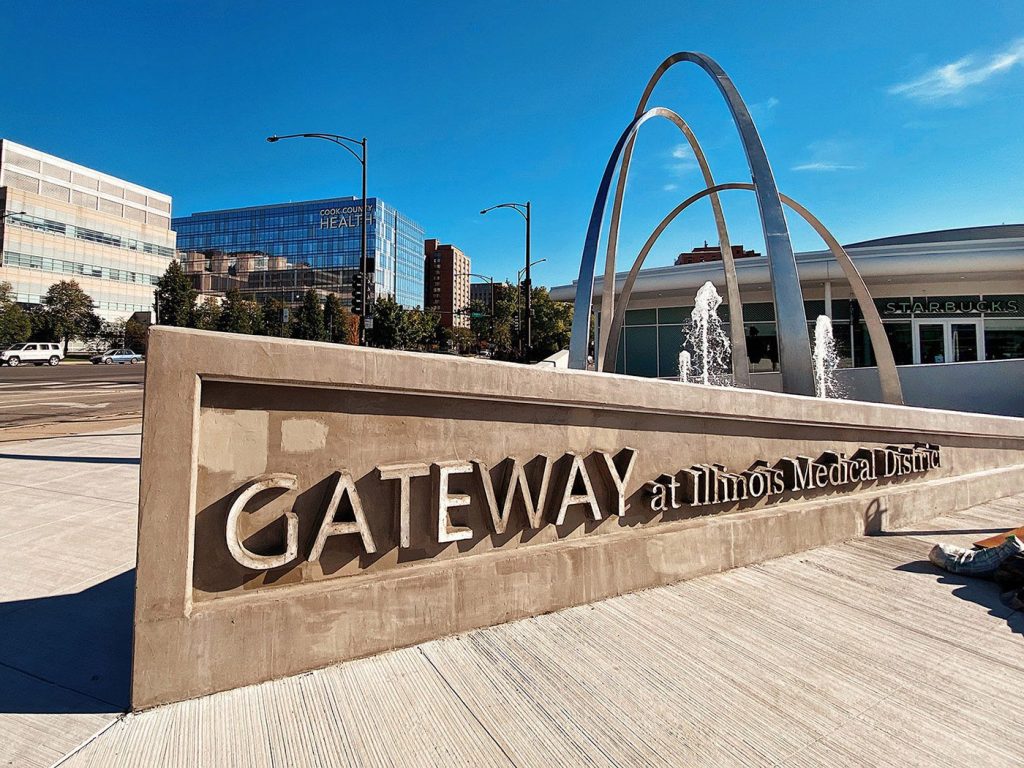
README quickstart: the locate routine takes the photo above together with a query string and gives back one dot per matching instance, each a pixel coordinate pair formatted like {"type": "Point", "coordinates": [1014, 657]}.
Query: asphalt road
{"type": "Point", "coordinates": [68, 394]}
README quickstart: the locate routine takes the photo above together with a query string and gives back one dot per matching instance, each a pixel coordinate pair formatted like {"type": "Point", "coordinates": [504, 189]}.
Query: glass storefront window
{"type": "Point", "coordinates": [673, 315]}
{"type": "Point", "coordinates": [931, 337]}
{"type": "Point", "coordinates": [814, 308]}
{"type": "Point", "coordinates": [901, 340]}
{"type": "Point", "coordinates": [641, 350]}
{"type": "Point", "coordinates": [670, 344]}
{"type": "Point", "coordinates": [965, 342]}
{"type": "Point", "coordinates": [641, 317]}
{"type": "Point", "coordinates": [762, 346]}
{"type": "Point", "coordinates": [758, 313]}
{"type": "Point", "coordinates": [1004, 339]}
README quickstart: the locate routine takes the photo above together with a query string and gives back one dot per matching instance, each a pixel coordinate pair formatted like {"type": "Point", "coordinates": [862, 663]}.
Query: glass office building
{"type": "Point", "coordinates": [281, 250]}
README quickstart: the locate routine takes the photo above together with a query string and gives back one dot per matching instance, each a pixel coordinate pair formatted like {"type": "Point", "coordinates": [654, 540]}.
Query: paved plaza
{"type": "Point", "coordinates": [859, 654]}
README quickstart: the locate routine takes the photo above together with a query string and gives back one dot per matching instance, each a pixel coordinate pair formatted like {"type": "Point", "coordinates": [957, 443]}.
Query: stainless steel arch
{"type": "Point", "coordinates": [579, 340]}
{"type": "Point", "coordinates": [892, 391]}
{"type": "Point", "coordinates": [740, 363]}
{"type": "Point", "coordinates": [794, 343]}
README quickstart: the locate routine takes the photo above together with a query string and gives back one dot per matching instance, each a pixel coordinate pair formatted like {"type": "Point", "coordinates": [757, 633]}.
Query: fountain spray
{"type": "Point", "coordinates": [826, 359]}
{"type": "Point", "coordinates": [704, 335]}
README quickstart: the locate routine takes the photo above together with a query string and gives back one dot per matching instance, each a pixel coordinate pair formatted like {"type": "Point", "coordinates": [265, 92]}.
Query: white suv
{"type": "Point", "coordinates": [39, 353]}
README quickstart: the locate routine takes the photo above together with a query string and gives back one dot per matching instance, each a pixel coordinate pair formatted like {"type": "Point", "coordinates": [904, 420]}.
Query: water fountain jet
{"type": "Point", "coordinates": [826, 359]}
{"type": "Point", "coordinates": [704, 335]}
{"type": "Point", "coordinates": [684, 367]}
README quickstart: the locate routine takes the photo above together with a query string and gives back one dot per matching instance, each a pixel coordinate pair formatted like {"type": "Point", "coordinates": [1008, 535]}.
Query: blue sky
{"type": "Point", "coordinates": [882, 118]}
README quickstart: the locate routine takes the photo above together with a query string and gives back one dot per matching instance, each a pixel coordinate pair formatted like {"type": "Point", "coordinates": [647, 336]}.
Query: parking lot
{"type": "Point", "coordinates": [68, 396]}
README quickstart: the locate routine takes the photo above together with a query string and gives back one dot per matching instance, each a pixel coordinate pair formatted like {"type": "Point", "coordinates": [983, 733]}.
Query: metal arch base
{"type": "Point", "coordinates": [793, 339]}
{"type": "Point", "coordinates": [605, 360]}
{"type": "Point", "coordinates": [892, 391]}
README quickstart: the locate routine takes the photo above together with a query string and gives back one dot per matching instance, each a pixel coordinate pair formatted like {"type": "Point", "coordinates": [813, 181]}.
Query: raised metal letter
{"type": "Point", "coordinates": [235, 546]}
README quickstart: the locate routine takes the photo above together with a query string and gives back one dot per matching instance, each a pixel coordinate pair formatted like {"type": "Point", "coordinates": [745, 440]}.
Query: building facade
{"type": "Point", "coordinates": [486, 293]}
{"type": "Point", "coordinates": [953, 296]}
{"type": "Point", "coordinates": [447, 283]}
{"type": "Point", "coordinates": [280, 251]}
{"type": "Point", "coordinates": [63, 221]}
{"type": "Point", "coordinates": [701, 255]}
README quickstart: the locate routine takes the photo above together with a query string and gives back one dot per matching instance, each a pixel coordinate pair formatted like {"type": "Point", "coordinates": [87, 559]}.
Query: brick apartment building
{"type": "Point", "coordinates": [446, 283]}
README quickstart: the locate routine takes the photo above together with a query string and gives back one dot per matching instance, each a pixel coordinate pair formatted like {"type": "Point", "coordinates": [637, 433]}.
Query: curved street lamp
{"type": "Point", "coordinates": [490, 280]}
{"type": "Point", "coordinates": [523, 209]}
{"type": "Point", "coordinates": [347, 143]}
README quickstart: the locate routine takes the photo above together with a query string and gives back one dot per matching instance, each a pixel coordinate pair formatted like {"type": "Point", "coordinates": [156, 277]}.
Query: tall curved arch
{"type": "Point", "coordinates": [579, 339]}
{"type": "Point", "coordinates": [740, 362]}
{"type": "Point", "coordinates": [793, 339]}
{"type": "Point", "coordinates": [892, 391]}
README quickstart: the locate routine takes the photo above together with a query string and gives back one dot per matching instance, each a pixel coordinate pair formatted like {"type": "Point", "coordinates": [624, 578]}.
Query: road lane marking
{"type": "Point", "coordinates": [59, 405]}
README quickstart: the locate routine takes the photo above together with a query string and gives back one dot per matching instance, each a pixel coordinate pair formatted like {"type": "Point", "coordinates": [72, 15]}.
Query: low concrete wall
{"type": "Point", "coordinates": [991, 386]}
{"type": "Point", "coordinates": [526, 490]}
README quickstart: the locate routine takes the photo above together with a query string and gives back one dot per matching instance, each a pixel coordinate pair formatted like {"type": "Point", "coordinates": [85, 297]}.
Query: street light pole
{"type": "Point", "coordinates": [347, 142]}
{"type": "Point", "coordinates": [524, 210]}
{"type": "Point", "coordinates": [529, 299]}
{"type": "Point", "coordinates": [489, 280]}
{"type": "Point", "coordinates": [528, 286]}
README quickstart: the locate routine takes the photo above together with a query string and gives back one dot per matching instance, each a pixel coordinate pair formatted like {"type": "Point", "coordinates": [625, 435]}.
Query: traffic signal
{"type": "Point", "coordinates": [357, 293]}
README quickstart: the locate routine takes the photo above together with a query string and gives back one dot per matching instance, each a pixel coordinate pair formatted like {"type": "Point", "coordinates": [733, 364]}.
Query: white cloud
{"type": "Point", "coordinates": [824, 167]}
{"type": "Point", "coordinates": [762, 111]}
{"type": "Point", "coordinates": [683, 160]}
{"type": "Point", "coordinates": [827, 155]}
{"type": "Point", "coordinates": [951, 80]}
{"type": "Point", "coordinates": [670, 187]}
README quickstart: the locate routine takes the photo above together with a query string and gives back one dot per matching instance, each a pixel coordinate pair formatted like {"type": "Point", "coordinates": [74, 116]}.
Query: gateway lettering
{"type": "Point", "coordinates": [542, 500]}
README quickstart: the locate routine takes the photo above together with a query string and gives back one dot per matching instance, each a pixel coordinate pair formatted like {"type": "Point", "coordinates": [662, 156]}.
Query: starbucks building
{"type": "Point", "coordinates": [952, 296]}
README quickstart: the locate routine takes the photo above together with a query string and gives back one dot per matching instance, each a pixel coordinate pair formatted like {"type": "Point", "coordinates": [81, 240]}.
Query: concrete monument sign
{"type": "Point", "coordinates": [303, 504]}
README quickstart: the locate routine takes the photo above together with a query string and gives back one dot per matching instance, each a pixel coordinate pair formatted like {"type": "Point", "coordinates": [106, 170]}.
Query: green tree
{"type": "Point", "coordinates": [480, 320]}
{"type": "Point", "coordinates": [110, 336]}
{"type": "Point", "coordinates": [421, 330]}
{"type": "Point", "coordinates": [273, 318]}
{"type": "Point", "coordinates": [15, 325]}
{"type": "Point", "coordinates": [239, 314]}
{"type": "Point", "coordinates": [388, 330]}
{"type": "Point", "coordinates": [552, 324]}
{"type": "Point", "coordinates": [460, 339]}
{"type": "Point", "coordinates": [308, 319]}
{"type": "Point", "coordinates": [351, 325]}
{"type": "Point", "coordinates": [175, 297]}
{"type": "Point", "coordinates": [69, 312]}
{"type": "Point", "coordinates": [336, 325]}
{"type": "Point", "coordinates": [40, 323]}
{"type": "Point", "coordinates": [206, 316]}
{"type": "Point", "coordinates": [136, 336]}
{"type": "Point", "coordinates": [505, 338]}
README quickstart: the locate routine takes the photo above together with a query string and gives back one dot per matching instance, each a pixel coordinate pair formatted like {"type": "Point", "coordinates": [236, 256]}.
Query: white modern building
{"type": "Point", "coordinates": [951, 297]}
{"type": "Point", "coordinates": [62, 221]}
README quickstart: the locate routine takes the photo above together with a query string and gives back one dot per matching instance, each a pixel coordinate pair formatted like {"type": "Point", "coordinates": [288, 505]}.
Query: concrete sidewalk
{"type": "Point", "coordinates": [859, 654]}
{"type": "Point", "coordinates": [68, 511]}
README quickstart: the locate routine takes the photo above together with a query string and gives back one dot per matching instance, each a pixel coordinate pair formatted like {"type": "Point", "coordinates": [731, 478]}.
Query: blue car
{"type": "Point", "coordinates": [112, 356]}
